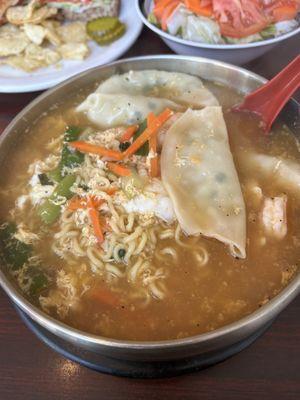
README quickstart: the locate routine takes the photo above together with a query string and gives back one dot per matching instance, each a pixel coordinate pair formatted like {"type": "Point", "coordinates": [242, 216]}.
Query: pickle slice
{"type": "Point", "coordinates": [103, 39]}
{"type": "Point", "coordinates": [102, 25]}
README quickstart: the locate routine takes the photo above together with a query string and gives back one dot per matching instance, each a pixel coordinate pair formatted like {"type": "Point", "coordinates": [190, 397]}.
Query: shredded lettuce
{"type": "Point", "coordinates": [177, 20]}
{"type": "Point", "coordinates": [247, 39]}
{"type": "Point", "coordinates": [183, 23]}
{"type": "Point", "coordinates": [189, 26]}
{"type": "Point", "coordinates": [201, 29]}
{"type": "Point", "coordinates": [268, 32]}
{"type": "Point", "coordinates": [179, 31]}
{"type": "Point", "coordinates": [152, 19]}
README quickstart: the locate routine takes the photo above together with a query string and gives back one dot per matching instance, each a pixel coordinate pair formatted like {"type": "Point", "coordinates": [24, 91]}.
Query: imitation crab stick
{"type": "Point", "coordinates": [148, 132]}
{"type": "Point", "coordinates": [85, 147]}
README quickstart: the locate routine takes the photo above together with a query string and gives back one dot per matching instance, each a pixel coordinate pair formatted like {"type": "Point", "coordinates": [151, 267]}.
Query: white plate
{"type": "Point", "coordinates": [16, 81]}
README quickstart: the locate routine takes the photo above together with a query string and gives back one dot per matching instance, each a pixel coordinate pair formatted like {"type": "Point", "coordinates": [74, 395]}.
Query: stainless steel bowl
{"type": "Point", "coordinates": [204, 344]}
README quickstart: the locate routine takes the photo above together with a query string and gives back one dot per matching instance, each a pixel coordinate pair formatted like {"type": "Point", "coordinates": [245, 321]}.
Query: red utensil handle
{"type": "Point", "coordinates": [282, 79]}
{"type": "Point", "coordinates": [268, 100]}
{"type": "Point", "coordinates": [279, 100]}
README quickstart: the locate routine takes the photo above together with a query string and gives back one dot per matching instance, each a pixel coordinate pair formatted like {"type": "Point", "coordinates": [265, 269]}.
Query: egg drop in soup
{"type": "Point", "coordinates": [142, 208]}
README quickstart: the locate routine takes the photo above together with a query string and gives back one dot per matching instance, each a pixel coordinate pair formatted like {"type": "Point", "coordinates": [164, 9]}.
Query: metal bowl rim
{"type": "Point", "coordinates": [190, 43]}
{"type": "Point", "coordinates": [54, 325]}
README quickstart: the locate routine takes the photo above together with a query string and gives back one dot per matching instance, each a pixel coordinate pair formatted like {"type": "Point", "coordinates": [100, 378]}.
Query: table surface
{"type": "Point", "coordinates": [268, 369]}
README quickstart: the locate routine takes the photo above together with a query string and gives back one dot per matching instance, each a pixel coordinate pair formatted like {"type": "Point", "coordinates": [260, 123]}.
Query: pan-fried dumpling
{"type": "Point", "coordinates": [284, 172]}
{"type": "Point", "coordinates": [107, 110]}
{"type": "Point", "coordinates": [181, 88]}
{"type": "Point", "coordinates": [199, 175]}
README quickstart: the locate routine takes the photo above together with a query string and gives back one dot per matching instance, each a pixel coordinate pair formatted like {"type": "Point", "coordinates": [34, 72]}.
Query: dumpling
{"type": "Point", "coordinates": [199, 175]}
{"type": "Point", "coordinates": [108, 110]}
{"type": "Point", "coordinates": [182, 88]}
{"type": "Point", "coordinates": [285, 173]}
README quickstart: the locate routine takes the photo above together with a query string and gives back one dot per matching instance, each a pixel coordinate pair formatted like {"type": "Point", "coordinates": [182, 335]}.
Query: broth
{"type": "Point", "coordinates": [196, 298]}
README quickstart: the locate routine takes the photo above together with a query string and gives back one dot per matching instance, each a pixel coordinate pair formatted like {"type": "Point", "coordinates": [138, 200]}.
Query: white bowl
{"type": "Point", "coordinates": [233, 53]}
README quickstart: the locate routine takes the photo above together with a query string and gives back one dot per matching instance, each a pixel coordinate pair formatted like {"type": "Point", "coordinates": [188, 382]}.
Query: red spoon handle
{"type": "Point", "coordinates": [271, 110]}
{"type": "Point", "coordinates": [269, 99]}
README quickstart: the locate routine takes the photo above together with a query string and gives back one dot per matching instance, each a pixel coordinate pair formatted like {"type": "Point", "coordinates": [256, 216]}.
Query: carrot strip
{"type": "Point", "coordinates": [196, 7]}
{"type": "Point", "coordinates": [150, 119]}
{"type": "Point", "coordinates": [166, 14]}
{"type": "Point", "coordinates": [85, 147]}
{"type": "Point", "coordinates": [94, 217]}
{"type": "Point", "coordinates": [129, 132]}
{"type": "Point", "coordinates": [148, 132]}
{"type": "Point", "coordinates": [97, 201]}
{"type": "Point", "coordinates": [110, 191]}
{"type": "Point", "coordinates": [105, 296]}
{"type": "Point", "coordinates": [105, 224]}
{"type": "Point", "coordinates": [153, 148]}
{"type": "Point", "coordinates": [118, 169]}
{"type": "Point", "coordinates": [77, 202]}
{"type": "Point", "coordinates": [160, 6]}
{"type": "Point", "coordinates": [283, 13]}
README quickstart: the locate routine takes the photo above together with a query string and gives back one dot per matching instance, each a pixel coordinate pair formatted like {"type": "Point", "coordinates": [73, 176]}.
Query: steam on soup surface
{"type": "Point", "coordinates": [193, 230]}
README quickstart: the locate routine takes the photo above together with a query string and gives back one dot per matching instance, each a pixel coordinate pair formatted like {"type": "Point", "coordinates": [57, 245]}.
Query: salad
{"type": "Point", "coordinates": [225, 21]}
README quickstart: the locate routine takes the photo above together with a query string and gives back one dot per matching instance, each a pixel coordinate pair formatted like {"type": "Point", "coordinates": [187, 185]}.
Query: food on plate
{"type": "Point", "coordinates": [105, 30]}
{"type": "Point", "coordinates": [35, 46]}
{"type": "Point", "coordinates": [86, 10]}
{"type": "Point", "coordinates": [32, 13]}
{"type": "Point", "coordinates": [39, 33]}
{"type": "Point", "coordinates": [4, 5]}
{"type": "Point", "coordinates": [149, 210]}
{"type": "Point", "coordinates": [12, 40]}
{"type": "Point", "coordinates": [33, 58]}
{"type": "Point", "coordinates": [222, 21]}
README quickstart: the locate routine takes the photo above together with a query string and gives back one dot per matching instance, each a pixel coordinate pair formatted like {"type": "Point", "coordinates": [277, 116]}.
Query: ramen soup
{"type": "Point", "coordinates": [144, 209]}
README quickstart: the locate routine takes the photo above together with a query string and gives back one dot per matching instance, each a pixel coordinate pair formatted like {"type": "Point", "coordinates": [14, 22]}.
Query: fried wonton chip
{"type": "Point", "coordinates": [35, 33]}
{"type": "Point", "coordinates": [21, 62]}
{"type": "Point", "coordinates": [51, 24]}
{"type": "Point", "coordinates": [29, 14]}
{"type": "Point", "coordinates": [53, 38]}
{"type": "Point", "coordinates": [74, 32]}
{"type": "Point", "coordinates": [51, 27]}
{"type": "Point", "coordinates": [47, 56]}
{"type": "Point", "coordinates": [30, 40]}
{"type": "Point", "coordinates": [21, 13]}
{"type": "Point", "coordinates": [73, 51]}
{"type": "Point", "coordinates": [8, 29]}
{"type": "Point", "coordinates": [33, 58]}
{"type": "Point", "coordinates": [12, 41]}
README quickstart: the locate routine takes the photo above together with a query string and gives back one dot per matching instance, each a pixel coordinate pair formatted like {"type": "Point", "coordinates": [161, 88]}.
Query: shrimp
{"type": "Point", "coordinates": [274, 216]}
